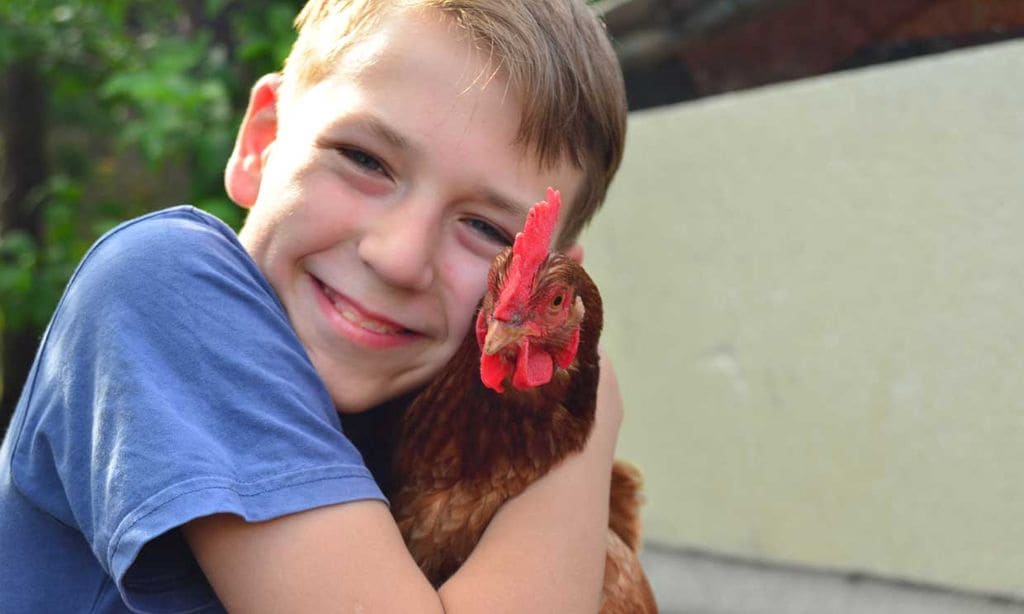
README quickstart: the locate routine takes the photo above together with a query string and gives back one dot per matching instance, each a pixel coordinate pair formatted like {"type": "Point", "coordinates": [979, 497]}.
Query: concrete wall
{"type": "Point", "coordinates": [815, 299]}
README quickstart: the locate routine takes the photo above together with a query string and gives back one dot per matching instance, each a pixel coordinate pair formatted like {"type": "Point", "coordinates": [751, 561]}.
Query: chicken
{"type": "Point", "coordinates": [492, 423]}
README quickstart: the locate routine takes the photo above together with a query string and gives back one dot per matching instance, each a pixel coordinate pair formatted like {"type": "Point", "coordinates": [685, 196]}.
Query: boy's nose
{"type": "Point", "coordinates": [400, 246]}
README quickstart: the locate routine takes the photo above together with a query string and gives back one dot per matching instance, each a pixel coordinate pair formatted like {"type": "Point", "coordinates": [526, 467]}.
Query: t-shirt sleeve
{"type": "Point", "coordinates": [170, 386]}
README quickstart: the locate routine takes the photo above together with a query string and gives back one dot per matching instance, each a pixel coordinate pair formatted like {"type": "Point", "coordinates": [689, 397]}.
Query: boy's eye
{"type": "Point", "coordinates": [363, 160]}
{"type": "Point", "coordinates": [488, 231]}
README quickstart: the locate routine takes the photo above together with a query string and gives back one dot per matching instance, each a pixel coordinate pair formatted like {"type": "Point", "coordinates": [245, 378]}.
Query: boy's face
{"type": "Point", "coordinates": [379, 198]}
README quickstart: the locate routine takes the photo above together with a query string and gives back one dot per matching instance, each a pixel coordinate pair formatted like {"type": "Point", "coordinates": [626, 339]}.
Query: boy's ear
{"type": "Point", "coordinates": [575, 252]}
{"type": "Point", "coordinates": [258, 131]}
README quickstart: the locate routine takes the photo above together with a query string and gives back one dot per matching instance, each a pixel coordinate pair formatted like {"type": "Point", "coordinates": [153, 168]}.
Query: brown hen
{"type": "Point", "coordinates": [517, 398]}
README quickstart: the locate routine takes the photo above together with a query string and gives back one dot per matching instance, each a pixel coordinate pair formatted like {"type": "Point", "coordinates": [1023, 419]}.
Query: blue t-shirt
{"type": "Point", "coordinates": [168, 386]}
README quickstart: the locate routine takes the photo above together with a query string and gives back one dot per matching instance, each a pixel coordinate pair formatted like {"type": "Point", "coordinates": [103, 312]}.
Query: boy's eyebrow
{"type": "Point", "coordinates": [386, 132]}
{"type": "Point", "coordinates": [507, 205]}
{"type": "Point", "coordinates": [381, 129]}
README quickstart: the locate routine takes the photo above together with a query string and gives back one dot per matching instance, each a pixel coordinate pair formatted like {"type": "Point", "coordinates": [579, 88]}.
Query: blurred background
{"type": "Point", "coordinates": [811, 257]}
{"type": "Point", "coordinates": [811, 265]}
{"type": "Point", "coordinates": [109, 110]}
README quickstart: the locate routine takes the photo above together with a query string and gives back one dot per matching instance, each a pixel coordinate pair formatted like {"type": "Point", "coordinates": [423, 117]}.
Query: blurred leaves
{"type": "Point", "coordinates": [171, 103]}
{"type": "Point", "coordinates": [144, 98]}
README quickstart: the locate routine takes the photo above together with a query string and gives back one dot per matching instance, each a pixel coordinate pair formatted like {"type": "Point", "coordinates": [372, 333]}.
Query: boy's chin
{"type": "Point", "coordinates": [349, 406]}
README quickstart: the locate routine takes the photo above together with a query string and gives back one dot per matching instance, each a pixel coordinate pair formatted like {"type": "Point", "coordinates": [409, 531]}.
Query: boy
{"type": "Point", "coordinates": [177, 446]}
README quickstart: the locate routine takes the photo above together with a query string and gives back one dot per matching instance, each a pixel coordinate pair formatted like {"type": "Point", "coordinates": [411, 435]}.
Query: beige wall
{"type": "Point", "coordinates": [816, 305]}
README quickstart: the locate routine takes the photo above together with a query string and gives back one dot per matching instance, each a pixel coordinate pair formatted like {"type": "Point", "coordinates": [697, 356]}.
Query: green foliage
{"type": "Point", "coordinates": [144, 97]}
{"type": "Point", "coordinates": [168, 104]}
{"type": "Point", "coordinates": [33, 273]}
{"type": "Point", "coordinates": [144, 100]}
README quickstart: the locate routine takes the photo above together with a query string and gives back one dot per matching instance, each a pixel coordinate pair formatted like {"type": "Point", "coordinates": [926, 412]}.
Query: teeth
{"type": "Point", "coordinates": [370, 325]}
{"type": "Point", "coordinates": [349, 314]}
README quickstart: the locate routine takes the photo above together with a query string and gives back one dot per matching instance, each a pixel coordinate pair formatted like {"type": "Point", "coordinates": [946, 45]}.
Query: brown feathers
{"type": "Point", "coordinates": [463, 449]}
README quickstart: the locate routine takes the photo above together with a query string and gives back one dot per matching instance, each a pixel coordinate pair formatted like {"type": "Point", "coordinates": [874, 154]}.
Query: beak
{"type": "Point", "coordinates": [501, 335]}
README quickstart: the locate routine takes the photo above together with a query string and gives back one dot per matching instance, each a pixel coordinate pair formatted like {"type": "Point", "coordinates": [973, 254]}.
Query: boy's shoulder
{"type": "Point", "coordinates": [171, 238]}
{"type": "Point", "coordinates": [161, 256]}
{"type": "Point", "coordinates": [174, 227]}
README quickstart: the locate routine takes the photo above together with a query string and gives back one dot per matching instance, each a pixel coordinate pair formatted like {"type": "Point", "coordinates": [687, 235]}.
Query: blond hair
{"type": "Point", "coordinates": [554, 53]}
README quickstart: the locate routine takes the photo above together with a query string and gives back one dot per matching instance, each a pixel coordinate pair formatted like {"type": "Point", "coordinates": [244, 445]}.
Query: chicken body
{"type": "Point", "coordinates": [463, 449]}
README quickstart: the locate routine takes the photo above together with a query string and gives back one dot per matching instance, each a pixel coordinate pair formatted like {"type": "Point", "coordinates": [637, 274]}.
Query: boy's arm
{"type": "Point", "coordinates": [545, 549]}
{"type": "Point", "coordinates": [543, 552]}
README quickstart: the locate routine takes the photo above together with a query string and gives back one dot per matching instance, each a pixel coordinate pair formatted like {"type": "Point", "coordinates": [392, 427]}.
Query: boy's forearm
{"type": "Point", "coordinates": [545, 549]}
{"type": "Point", "coordinates": [340, 558]}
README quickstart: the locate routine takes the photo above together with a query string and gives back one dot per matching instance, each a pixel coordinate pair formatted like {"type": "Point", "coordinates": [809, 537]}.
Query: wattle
{"type": "Point", "coordinates": [533, 367]}
{"type": "Point", "coordinates": [493, 371]}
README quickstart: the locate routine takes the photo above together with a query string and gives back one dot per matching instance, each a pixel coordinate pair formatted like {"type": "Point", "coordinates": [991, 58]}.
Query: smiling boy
{"type": "Point", "coordinates": [389, 189]}
{"type": "Point", "coordinates": [183, 401]}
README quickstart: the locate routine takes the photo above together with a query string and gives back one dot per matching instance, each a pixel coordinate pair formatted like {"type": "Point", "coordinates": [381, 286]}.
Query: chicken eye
{"type": "Point", "coordinates": [557, 301]}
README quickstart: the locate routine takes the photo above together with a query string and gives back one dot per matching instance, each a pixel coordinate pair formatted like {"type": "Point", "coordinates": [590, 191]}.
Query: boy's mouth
{"type": "Point", "coordinates": [360, 317]}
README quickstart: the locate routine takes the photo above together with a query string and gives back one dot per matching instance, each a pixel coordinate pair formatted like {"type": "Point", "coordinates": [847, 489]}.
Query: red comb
{"type": "Point", "coordinates": [528, 252]}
